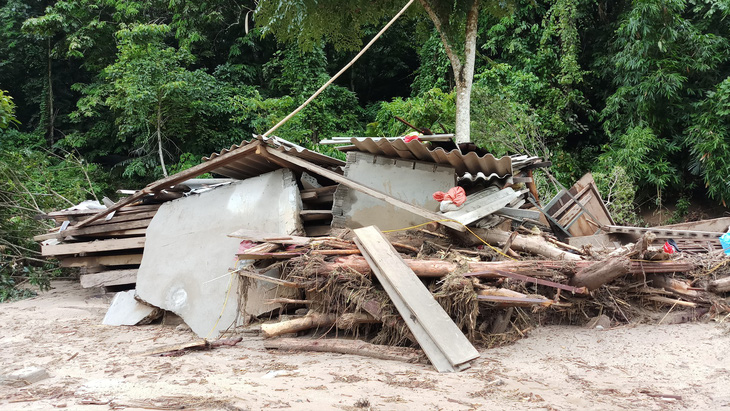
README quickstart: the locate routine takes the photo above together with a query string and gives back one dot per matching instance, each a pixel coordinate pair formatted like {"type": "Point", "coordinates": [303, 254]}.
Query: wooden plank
{"type": "Point", "coordinates": [135, 232]}
{"type": "Point", "coordinates": [422, 308]}
{"type": "Point", "coordinates": [310, 215]}
{"type": "Point", "coordinates": [93, 246]}
{"type": "Point", "coordinates": [430, 215]}
{"type": "Point", "coordinates": [109, 278]}
{"type": "Point", "coordinates": [95, 229]}
{"type": "Point", "coordinates": [261, 237]}
{"type": "Point", "coordinates": [573, 212]}
{"type": "Point", "coordinates": [179, 178]}
{"type": "Point", "coordinates": [102, 260]}
{"type": "Point", "coordinates": [429, 347]}
{"type": "Point", "coordinates": [122, 217]}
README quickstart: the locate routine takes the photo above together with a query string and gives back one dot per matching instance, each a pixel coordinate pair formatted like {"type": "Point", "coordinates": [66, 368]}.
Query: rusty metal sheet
{"type": "Point", "coordinates": [255, 164]}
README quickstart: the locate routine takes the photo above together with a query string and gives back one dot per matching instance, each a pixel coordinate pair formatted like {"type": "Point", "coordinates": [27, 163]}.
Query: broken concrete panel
{"type": "Point", "coordinates": [126, 310]}
{"type": "Point", "coordinates": [407, 180]}
{"type": "Point", "coordinates": [188, 251]}
{"type": "Point", "coordinates": [25, 376]}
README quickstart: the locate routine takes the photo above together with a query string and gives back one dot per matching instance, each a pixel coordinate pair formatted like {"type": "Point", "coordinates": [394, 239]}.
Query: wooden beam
{"type": "Point", "coordinates": [109, 278]}
{"type": "Point", "coordinates": [93, 246]}
{"type": "Point", "coordinates": [310, 215]}
{"type": "Point", "coordinates": [441, 340]}
{"type": "Point", "coordinates": [430, 215]}
{"type": "Point", "coordinates": [179, 178]}
{"type": "Point", "coordinates": [103, 260]}
{"type": "Point", "coordinates": [95, 229]}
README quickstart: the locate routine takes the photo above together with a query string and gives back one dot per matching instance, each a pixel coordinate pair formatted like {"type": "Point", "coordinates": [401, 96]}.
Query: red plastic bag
{"type": "Point", "coordinates": [456, 195]}
{"type": "Point", "coordinates": [410, 137]}
{"type": "Point", "coordinates": [668, 248]}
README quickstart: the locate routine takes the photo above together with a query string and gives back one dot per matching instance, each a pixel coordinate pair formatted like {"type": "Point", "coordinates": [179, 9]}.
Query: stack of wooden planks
{"type": "Point", "coordinates": [108, 251]}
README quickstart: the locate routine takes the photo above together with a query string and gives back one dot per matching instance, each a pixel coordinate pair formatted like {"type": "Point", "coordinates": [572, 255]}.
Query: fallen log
{"type": "Point", "coordinates": [679, 288]}
{"type": "Point", "coordinates": [527, 243]}
{"type": "Point", "coordinates": [509, 298]}
{"type": "Point", "coordinates": [179, 349]}
{"type": "Point", "coordinates": [313, 320]}
{"type": "Point", "coordinates": [601, 273]}
{"type": "Point", "coordinates": [536, 268]}
{"type": "Point", "coordinates": [353, 347]}
{"type": "Point", "coordinates": [721, 285]}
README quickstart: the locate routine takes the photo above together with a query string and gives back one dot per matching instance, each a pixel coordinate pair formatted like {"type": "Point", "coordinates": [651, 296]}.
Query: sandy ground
{"type": "Point", "coordinates": [94, 367]}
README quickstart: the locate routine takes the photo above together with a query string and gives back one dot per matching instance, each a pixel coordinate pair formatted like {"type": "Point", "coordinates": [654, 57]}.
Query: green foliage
{"type": "Point", "coordinates": [619, 194]}
{"type": "Point", "coordinates": [708, 141]}
{"type": "Point", "coordinates": [503, 120]}
{"type": "Point", "coordinates": [294, 76]}
{"type": "Point", "coordinates": [433, 71]}
{"type": "Point", "coordinates": [158, 104]}
{"type": "Point", "coordinates": [32, 183]}
{"type": "Point", "coordinates": [310, 22]}
{"type": "Point", "coordinates": [7, 111]}
{"type": "Point", "coordinates": [644, 158]}
{"type": "Point", "coordinates": [432, 109]}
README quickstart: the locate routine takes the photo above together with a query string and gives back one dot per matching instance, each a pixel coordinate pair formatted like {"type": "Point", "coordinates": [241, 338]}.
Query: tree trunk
{"type": "Point", "coordinates": [535, 268]}
{"type": "Point", "coordinates": [159, 136]}
{"type": "Point", "coordinates": [526, 243]}
{"type": "Point", "coordinates": [720, 286]}
{"type": "Point", "coordinates": [601, 273]}
{"type": "Point", "coordinates": [313, 320]}
{"type": "Point", "coordinates": [353, 347]}
{"type": "Point", "coordinates": [462, 65]}
{"type": "Point", "coordinates": [51, 116]}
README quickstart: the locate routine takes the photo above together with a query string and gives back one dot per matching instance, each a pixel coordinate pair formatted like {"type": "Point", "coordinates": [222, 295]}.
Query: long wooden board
{"type": "Point", "coordinates": [364, 189]}
{"type": "Point", "coordinates": [102, 260]}
{"type": "Point", "coordinates": [93, 246]}
{"type": "Point", "coordinates": [109, 278]}
{"type": "Point", "coordinates": [434, 330]}
{"type": "Point", "coordinates": [95, 229]}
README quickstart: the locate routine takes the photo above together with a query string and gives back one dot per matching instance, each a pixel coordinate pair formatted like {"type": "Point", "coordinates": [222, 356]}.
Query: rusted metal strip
{"type": "Point", "coordinates": [521, 300]}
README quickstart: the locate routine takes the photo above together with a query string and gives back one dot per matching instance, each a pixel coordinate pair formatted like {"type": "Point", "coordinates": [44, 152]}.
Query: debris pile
{"type": "Point", "coordinates": [414, 243]}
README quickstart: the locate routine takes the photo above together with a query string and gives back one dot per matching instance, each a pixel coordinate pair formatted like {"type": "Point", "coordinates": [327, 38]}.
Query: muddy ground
{"type": "Point", "coordinates": [94, 367]}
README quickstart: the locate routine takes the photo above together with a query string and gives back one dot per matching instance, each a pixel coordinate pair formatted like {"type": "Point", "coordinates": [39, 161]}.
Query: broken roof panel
{"type": "Point", "coordinates": [414, 150]}
{"type": "Point", "coordinates": [255, 164]}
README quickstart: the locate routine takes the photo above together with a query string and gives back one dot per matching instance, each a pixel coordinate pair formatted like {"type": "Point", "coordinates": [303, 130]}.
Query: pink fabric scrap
{"type": "Point", "coordinates": [456, 195]}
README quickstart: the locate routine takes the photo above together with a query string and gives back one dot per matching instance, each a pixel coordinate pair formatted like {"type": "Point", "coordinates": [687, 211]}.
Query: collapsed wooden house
{"type": "Point", "coordinates": [363, 245]}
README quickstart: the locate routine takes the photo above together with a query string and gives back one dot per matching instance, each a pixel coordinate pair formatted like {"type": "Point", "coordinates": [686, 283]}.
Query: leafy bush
{"type": "Point", "coordinates": [433, 109]}
{"type": "Point", "coordinates": [33, 182]}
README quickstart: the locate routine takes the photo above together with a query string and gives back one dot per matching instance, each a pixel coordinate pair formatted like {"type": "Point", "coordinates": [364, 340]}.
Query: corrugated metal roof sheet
{"type": "Point", "coordinates": [414, 150]}
{"type": "Point", "coordinates": [254, 164]}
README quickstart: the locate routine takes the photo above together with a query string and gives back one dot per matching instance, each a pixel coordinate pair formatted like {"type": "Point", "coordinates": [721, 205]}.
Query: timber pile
{"type": "Point", "coordinates": [107, 251]}
{"type": "Point", "coordinates": [492, 299]}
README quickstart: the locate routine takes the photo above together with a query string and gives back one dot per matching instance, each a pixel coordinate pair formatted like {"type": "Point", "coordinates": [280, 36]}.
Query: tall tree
{"type": "Point", "coordinates": [308, 22]}
{"type": "Point", "coordinates": [150, 90]}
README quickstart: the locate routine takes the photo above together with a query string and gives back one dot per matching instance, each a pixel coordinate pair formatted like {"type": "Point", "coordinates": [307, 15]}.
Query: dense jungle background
{"type": "Point", "coordinates": [97, 95]}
